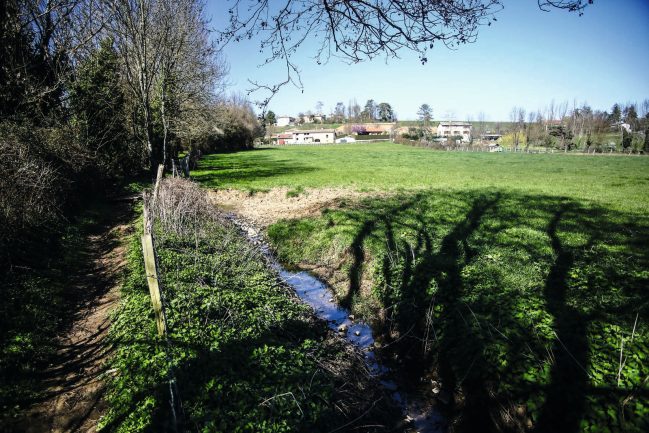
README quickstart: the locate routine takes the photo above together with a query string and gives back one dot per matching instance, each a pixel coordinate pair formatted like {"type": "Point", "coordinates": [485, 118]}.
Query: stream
{"type": "Point", "coordinates": [423, 416]}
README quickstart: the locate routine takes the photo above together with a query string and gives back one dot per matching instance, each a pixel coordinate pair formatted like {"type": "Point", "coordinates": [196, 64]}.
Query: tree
{"type": "Point", "coordinates": [271, 119]}
{"type": "Point", "coordinates": [318, 107]}
{"type": "Point", "coordinates": [425, 114]}
{"type": "Point", "coordinates": [169, 62]}
{"type": "Point", "coordinates": [385, 112]}
{"type": "Point", "coordinates": [631, 116]}
{"type": "Point", "coordinates": [354, 111]}
{"type": "Point", "coordinates": [338, 115]}
{"type": "Point", "coordinates": [517, 117]}
{"type": "Point", "coordinates": [237, 124]}
{"type": "Point", "coordinates": [360, 30]}
{"type": "Point", "coordinates": [616, 114]}
{"type": "Point", "coordinates": [369, 112]}
{"type": "Point", "coordinates": [99, 111]}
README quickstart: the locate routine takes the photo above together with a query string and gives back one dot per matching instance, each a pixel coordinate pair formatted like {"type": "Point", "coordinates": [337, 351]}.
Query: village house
{"type": "Point", "coordinates": [313, 118]}
{"type": "Point", "coordinates": [285, 120]}
{"type": "Point", "coordinates": [306, 136]}
{"type": "Point", "coordinates": [455, 129]}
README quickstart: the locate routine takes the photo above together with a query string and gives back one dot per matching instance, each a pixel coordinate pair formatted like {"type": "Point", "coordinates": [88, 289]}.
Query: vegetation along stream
{"type": "Point", "coordinates": [423, 415]}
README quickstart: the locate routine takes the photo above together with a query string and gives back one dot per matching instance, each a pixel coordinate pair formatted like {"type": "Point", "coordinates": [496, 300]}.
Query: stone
{"type": "Point", "coordinates": [342, 328]}
{"type": "Point", "coordinates": [357, 333]}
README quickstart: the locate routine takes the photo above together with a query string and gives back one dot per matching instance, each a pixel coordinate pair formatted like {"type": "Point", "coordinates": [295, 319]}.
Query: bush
{"type": "Point", "coordinates": [30, 187]}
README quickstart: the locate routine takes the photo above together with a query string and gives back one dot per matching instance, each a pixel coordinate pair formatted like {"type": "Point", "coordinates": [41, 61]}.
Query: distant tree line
{"type": "Point", "coordinates": [566, 127]}
{"type": "Point", "coordinates": [371, 112]}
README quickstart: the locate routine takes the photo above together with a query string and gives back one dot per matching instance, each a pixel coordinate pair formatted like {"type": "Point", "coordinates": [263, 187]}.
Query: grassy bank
{"type": "Point", "coordinates": [247, 356]}
{"type": "Point", "coordinates": [612, 181]}
{"type": "Point", "coordinates": [517, 303]}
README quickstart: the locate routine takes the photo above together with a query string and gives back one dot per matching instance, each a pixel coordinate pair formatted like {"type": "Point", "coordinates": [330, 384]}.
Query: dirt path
{"type": "Point", "coordinates": [265, 208]}
{"type": "Point", "coordinates": [74, 388]}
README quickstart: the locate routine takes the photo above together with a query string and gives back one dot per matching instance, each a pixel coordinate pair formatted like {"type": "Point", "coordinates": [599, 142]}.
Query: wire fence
{"type": "Point", "coordinates": [157, 296]}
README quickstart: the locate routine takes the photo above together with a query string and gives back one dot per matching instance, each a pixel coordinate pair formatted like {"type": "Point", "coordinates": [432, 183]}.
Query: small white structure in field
{"type": "Point", "coordinates": [455, 129]}
{"type": "Point", "coordinates": [347, 139]}
{"type": "Point", "coordinates": [495, 147]}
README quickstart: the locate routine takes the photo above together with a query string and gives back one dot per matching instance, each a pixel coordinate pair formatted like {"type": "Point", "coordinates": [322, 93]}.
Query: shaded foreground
{"type": "Point", "coordinates": [517, 304]}
{"type": "Point", "coordinates": [54, 321]}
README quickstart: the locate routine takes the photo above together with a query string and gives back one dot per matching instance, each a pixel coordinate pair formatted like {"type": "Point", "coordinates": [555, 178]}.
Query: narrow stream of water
{"type": "Point", "coordinates": [424, 417]}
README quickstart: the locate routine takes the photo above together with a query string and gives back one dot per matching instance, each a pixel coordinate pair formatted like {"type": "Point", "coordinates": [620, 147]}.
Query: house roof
{"type": "Point", "coordinates": [284, 136]}
{"type": "Point", "coordinates": [454, 124]}
{"type": "Point", "coordinates": [310, 131]}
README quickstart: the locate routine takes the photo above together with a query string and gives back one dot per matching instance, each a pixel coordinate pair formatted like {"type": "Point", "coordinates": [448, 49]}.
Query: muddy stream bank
{"type": "Point", "coordinates": [422, 414]}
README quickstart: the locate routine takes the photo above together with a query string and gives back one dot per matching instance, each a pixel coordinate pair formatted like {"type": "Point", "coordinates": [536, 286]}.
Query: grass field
{"type": "Point", "coordinates": [517, 281]}
{"type": "Point", "coordinates": [613, 181]}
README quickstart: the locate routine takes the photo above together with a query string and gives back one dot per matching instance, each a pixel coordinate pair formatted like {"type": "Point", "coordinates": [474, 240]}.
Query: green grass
{"type": "Point", "coordinates": [617, 182]}
{"type": "Point", "coordinates": [512, 279]}
{"type": "Point", "coordinates": [247, 356]}
{"type": "Point", "coordinates": [522, 299]}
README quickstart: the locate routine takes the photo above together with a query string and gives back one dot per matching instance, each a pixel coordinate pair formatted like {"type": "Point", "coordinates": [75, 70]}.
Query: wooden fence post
{"type": "Point", "coordinates": [152, 280]}
{"type": "Point", "coordinates": [150, 259]}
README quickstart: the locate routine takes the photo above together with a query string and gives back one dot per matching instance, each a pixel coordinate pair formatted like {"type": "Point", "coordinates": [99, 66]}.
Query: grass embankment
{"type": "Point", "coordinates": [248, 357]}
{"type": "Point", "coordinates": [614, 181]}
{"type": "Point", "coordinates": [515, 280]}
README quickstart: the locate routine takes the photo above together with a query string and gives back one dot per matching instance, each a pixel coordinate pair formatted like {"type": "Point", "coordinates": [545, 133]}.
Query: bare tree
{"type": "Point", "coordinates": [529, 129]}
{"type": "Point", "coordinates": [482, 126]}
{"type": "Point", "coordinates": [562, 110]}
{"type": "Point", "coordinates": [139, 44]}
{"type": "Point", "coordinates": [570, 5]}
{"type": "Point", "coordinates": [165, 47]}
{"type": "Point", "coordinates": [517, 117]}
{"type": "Point", "coordinates": [189, 67]}
{"type": "Point", "coordinates": [358, 30]}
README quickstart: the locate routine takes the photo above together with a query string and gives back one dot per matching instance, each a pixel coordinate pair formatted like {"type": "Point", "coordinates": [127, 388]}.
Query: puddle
{"type": "Point", "coordinates": [423, 417]}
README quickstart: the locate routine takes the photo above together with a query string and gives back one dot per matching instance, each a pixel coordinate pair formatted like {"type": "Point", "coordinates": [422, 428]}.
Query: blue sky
{"type": "Point", "coordinates": [527, 58]}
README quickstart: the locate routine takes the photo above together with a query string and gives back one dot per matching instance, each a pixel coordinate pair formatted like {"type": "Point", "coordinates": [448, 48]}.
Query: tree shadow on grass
{"type": "Point", "coordinates": [258, 164]}
{"type": "Point", "coordinates": [496, 295]}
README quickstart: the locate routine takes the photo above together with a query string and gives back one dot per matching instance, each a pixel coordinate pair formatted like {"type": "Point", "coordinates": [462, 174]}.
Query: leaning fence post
{"type": "Point", "coordinates": [150, 259]}
{"type": "Point", "coordinates": [152, 280]}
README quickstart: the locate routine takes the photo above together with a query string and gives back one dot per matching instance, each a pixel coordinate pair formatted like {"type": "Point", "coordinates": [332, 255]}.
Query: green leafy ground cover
{"type": "Point", "coordinates": [247, 356]}
{"type": "Point", "coordinates": [513, 279]}
{"type": "Point", "coordinates": [619, 182]}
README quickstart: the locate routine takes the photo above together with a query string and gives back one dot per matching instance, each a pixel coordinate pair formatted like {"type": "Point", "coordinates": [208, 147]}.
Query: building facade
{"type": "Point", "coordinates": [455, 129]}
{"type": "Point", "coordinates": [306, 136]}
{"type": "Point", "coordinates": [285, 120]}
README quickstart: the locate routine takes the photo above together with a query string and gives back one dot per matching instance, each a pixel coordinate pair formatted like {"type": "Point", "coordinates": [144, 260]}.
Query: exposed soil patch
{"type": "Point", "coordinates": [73, 383]}
{"type": "Point", "coordinates": [264, 208]}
